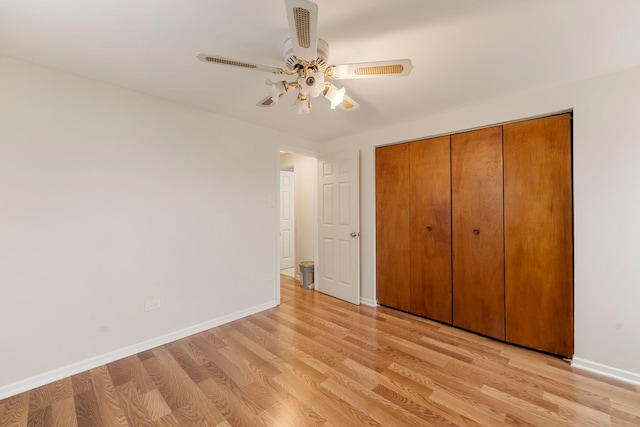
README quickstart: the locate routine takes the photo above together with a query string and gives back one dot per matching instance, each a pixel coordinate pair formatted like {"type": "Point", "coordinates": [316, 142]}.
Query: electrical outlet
{"type": "Point", "coordinates": [153, 304]}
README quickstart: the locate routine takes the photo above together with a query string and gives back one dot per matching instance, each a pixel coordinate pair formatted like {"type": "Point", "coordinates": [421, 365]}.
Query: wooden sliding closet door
{"type": "Point", "coordinates": [538, 234]}
{"type": "Point", "coordinates": [430, 173]}
{"type": "Point", "coordinates": [478, 235]}
{"type": "Point", "coordinates": [392, 226]}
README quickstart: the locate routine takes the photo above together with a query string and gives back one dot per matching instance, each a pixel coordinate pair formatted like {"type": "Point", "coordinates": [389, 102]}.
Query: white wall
{"type": "Point", "coordinates": [109, 198]}
{"type": "Point", "coordinates": [305, 205]}
{"type": "Point", "coordinates": [606, 156]}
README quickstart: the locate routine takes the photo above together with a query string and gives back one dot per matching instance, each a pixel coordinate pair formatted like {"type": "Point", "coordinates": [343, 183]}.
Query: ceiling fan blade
{"type": "Point", "coordinates": [363, 70]}
{"type": "Point", "coordinates": [303, 26]}
{"type": "Point", "coordinates": [216, 59]}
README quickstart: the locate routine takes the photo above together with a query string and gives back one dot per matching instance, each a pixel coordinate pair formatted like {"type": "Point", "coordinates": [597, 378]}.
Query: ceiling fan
{"type": "Point", "coordinates": [306, 60]}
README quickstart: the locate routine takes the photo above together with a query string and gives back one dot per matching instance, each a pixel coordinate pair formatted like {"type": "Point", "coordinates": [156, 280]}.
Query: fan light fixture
{"type": "Point", "coordinates": [306, 58]}
{"type": "Point", "coordinates": [310, 83]}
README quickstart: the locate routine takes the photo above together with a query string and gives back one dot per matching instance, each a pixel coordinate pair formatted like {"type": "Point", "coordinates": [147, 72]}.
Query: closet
{"type": "Point", "coordinates": [475, 230]}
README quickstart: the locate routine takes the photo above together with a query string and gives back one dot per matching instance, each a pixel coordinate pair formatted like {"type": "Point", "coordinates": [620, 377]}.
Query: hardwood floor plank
{"type": "Point", "coordinates": [168, 420]}
{"type": "Point", "coordinates": [577, 413]}
{"type": "Point", "coordinates": [14, 411]}
{"type": "Point", "coordinates": [255, 356]}
{"type": "Point", "coordinates": [552, 382]}
{"type": "Point", "coordinates": [196, 371]}
{"type": "Point", "coordinates": [421, 395]}
{"type": "Point", "coordinates": [193, 415]}
{"type": "Point", "coordinates": [266, 419]}
{"type": "Point", "coordinates": [381, 414]}
{"type": "Point", "coordinates": [335, 411]}
{"type": "Point", "coordinates": [111, 413]}
{"type": "Point", "coordinates": [416, 394]}
{"type": "Point", "coordinates": [178, 390]}
{"type": "Point", "coordinates": [318, 361]}
{"type": "Point", "coordinates": [224, 363]}
{"type": "Point", "coordinates": [477, 413]}
{"type": "Point", "coordinates": [406, 352]}
{"type": "Point", "coordinates": [525, 410]}
{"type": "Point", "coordinates": [293, 412]}
{"type": "Point", "coordinates": [233, 409]}
{"type": "Point", "coordinates": [383, 407]}
{"type": "Point", "coordinates": [467, 399]}
{"type": "Point", "coordinates": [81, 383]}
{"type": "Point", "coordinates": [199, 345]}
{"type": "Point", "coordinates": [168, 383]}
{"type": "Point", "coordinates": [87, 410]}
{"type": "Point", "coordinates": [133, 406]}
{"type": "Point", "coordinates": [130, 369]}
{"type": "Point", "coordinates": [155, 404]}
{"type": "Point", "coordinates": [502, 380]}
{"type": "Point", "coordinates": [63, 413]}
{"type": "Point", "coordinates": [47, 395]}
{"type": "Point", "coordinates": [40, 417]}
{"type": "Point", "coordinates": [627, 412]}
{"type": "Point", "coordinates": [374, 359]}
{"type": "Point", "coordinates": [425, 413]}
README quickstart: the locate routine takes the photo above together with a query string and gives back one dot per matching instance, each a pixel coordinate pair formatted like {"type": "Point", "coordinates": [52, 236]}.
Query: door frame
{"type": "Point", "coordinates": [304, 152]}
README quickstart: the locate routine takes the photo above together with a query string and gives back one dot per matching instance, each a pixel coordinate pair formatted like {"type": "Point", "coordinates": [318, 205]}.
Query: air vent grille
{"type": "Point", "coordinates": [230, 62]}
{"type": "Point", "coordinates": [382, 69]}
{"type": "Point", "coordinates": [303, 26]}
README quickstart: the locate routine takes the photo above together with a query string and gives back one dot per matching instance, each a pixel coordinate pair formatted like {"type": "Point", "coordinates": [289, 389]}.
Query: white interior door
{"type": "Point", "coordinates": [338, 269]}
{"type": "Point", "coordinates": [287, 238]}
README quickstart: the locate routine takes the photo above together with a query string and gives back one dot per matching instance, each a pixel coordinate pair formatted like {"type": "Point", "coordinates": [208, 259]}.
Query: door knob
{"type": "Point", "coordinates": [354, 234]}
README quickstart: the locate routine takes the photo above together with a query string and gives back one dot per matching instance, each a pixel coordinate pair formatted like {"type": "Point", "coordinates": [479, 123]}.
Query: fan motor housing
{"type": "Point", "coordinates": [292, 61]}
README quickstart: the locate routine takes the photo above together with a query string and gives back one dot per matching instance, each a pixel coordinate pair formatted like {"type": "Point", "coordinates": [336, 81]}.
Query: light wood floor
{"type": "Point", "coordinates": [318, 361]}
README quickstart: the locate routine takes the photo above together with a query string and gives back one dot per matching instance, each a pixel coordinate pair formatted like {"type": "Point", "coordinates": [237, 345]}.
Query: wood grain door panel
{"type": "Point", "coordinates": [392, 226]}
{"type": "Point", "coordinates": [430, 207]}
{"type": "Point", "coordinates": [538, 234]}
{"type": "Point", "coordinates": [478, 235]}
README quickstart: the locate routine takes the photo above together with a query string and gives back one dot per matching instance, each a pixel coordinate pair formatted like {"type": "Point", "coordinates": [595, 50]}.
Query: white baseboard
{"type": "Point", "coordinates": [76, 368]}
{"type": "Point", "coordinates": [369, 302]}
{"type": "Point", "coordinates": [607, 371]}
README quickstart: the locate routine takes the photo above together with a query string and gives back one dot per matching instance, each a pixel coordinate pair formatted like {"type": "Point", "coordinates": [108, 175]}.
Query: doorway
{"type": "Point", "coordinates": [297, 235]}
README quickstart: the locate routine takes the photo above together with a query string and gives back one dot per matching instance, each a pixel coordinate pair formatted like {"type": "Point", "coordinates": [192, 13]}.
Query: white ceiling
{"type": "Point", "coordinates": [463, 51]}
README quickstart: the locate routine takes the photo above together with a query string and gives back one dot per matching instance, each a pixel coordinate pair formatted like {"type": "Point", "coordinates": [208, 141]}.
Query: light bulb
{"type": "Point", "coordinates": [335, 96]}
